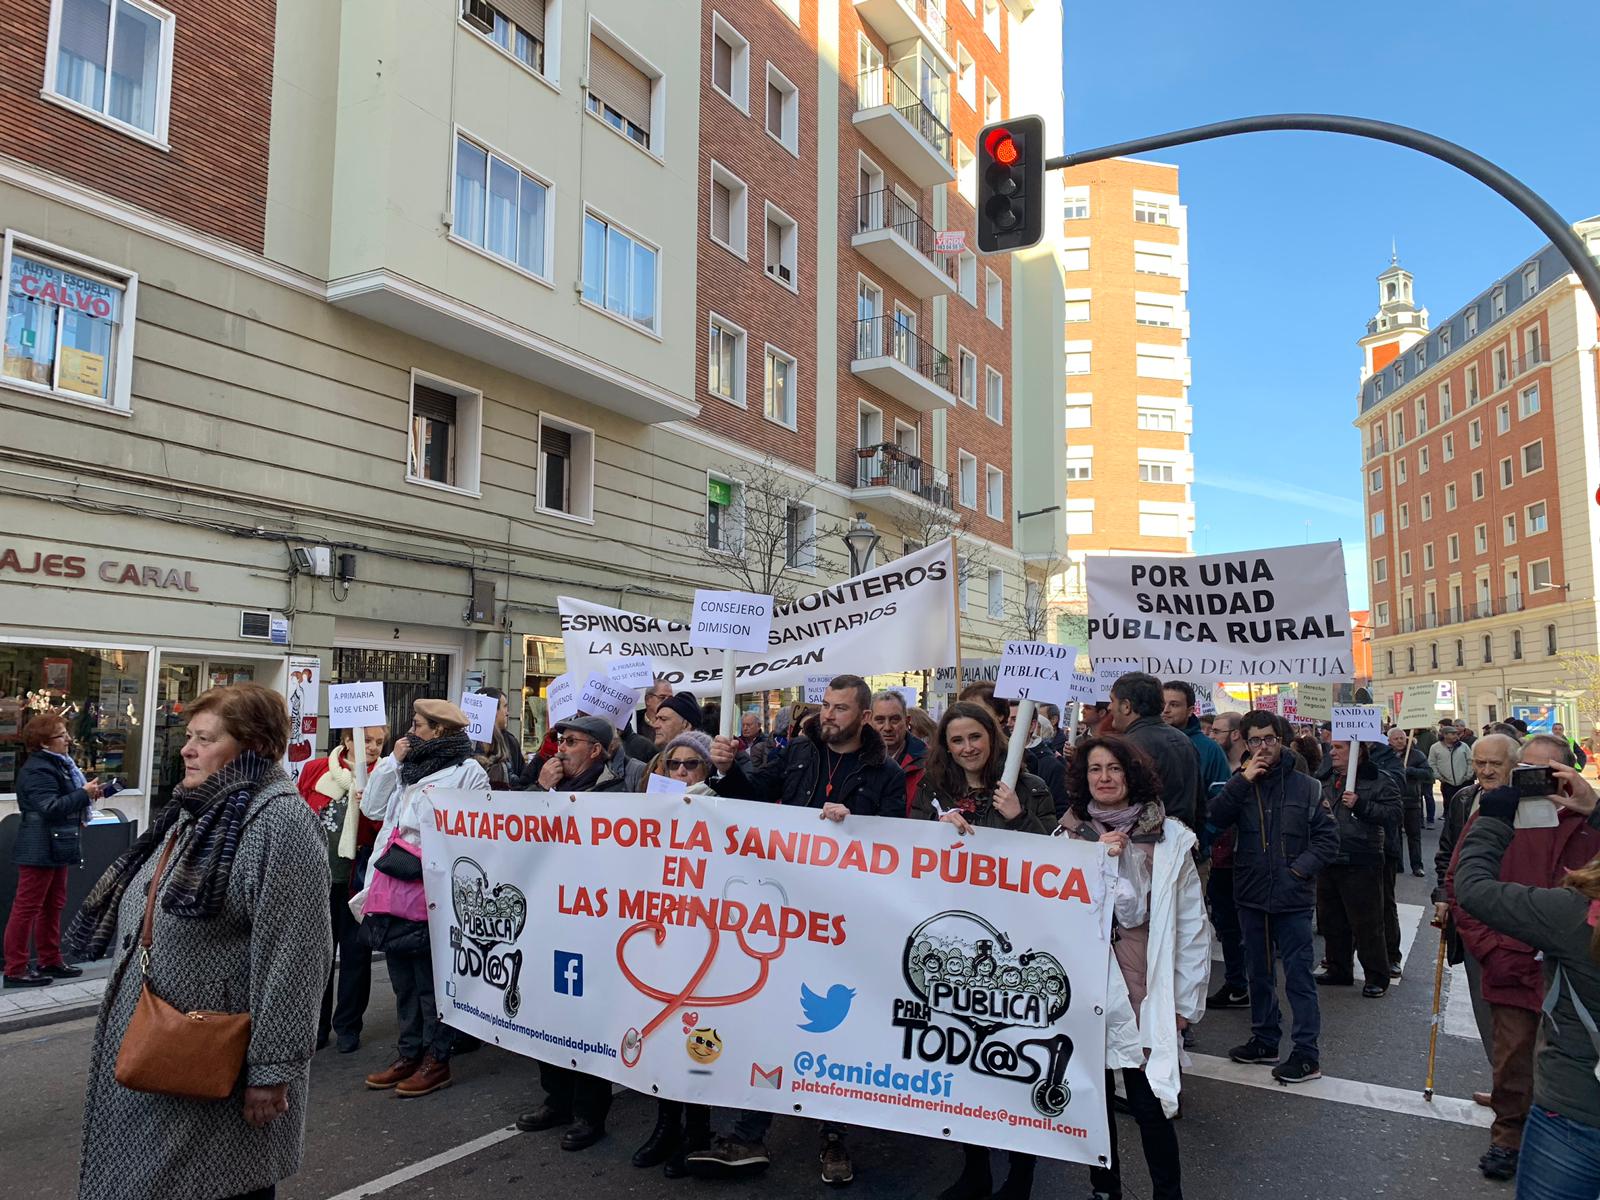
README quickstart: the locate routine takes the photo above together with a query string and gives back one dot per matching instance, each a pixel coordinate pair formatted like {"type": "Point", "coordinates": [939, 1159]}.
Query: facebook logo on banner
{"type": "Point", "coordinates": [569, 973]}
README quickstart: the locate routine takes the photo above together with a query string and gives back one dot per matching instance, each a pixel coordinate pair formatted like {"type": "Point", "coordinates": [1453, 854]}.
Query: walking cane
{"type": "Point", "coordinates": [1433, 1030]}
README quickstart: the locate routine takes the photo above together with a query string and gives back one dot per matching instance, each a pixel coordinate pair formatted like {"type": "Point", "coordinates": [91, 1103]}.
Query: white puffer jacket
{"type": "Point", "coordinates": [407, 806]}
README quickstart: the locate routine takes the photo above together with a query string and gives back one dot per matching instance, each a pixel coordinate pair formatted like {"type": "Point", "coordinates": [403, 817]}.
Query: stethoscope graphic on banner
{"type": "Point", "coordinates": [633, 1040]}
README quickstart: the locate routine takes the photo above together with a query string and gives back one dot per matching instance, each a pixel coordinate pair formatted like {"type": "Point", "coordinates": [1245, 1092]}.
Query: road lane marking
{"type": "Point", "coordinates": [443, 1159]}
{"type": "Point", "coordinates": [1458, 1019]}
{"type": "Point", "coordinates": [1401, 1101]}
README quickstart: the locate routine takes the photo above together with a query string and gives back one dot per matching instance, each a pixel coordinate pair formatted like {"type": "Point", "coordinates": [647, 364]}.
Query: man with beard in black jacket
{"type": "Point", "coordinates": [1136, 703]}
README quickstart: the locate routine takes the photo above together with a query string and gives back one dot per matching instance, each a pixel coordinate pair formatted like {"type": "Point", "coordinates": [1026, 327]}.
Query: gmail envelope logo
{"type": "Point", "coordinates": [766, 1077]}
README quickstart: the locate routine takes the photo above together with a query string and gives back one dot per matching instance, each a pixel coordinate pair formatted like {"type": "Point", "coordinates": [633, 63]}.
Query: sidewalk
{"type": "Point", "coordinates": [63, 1000]}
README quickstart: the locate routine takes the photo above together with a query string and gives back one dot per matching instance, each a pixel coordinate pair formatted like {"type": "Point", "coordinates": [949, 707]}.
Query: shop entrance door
{"type": "Point", "coordinates": [407, 676]}
{"type": "Point", "coordinates": [179, 681]}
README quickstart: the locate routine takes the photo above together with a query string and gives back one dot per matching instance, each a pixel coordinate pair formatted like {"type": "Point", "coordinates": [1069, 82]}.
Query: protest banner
{"type": "Point", "coordinates": [1316, 701]}
{"type": "Point", "coordinates": [561, 699]}
{"type": "Point", "coordinates": [900, 616]}
{"type": "Point", "coordinates": [481, 712]}
{"type": "Point", "coordinates": [1270, 616]}
{"type": "Point", "coordinates": [732, 953]}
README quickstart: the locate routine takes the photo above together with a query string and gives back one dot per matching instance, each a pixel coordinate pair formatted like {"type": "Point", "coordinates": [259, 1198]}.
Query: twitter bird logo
{"type": "Point", "coordinates": [825, 1013]}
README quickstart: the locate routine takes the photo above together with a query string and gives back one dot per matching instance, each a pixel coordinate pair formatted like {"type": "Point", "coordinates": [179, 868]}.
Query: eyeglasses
{"type": "Point", "coordinates": [1258, 743]}
{"type": "Point", "coordinates": [570, 740]}
{"type": "Point", "coordinates": [683, 764]}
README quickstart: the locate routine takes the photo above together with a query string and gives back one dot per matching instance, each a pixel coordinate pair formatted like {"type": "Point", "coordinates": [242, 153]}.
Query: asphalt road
{"type": "Point", "coordinates": [1241, 1135]}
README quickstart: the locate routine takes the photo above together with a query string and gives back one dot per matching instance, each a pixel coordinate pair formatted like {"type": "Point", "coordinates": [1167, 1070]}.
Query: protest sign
{"type": "Point", "coordinates": [481, 712]}
{"type": "Point", "coordinates": [602, 698]}
{"type": "Point", "coordinates": [973, 670]}
{"type": "Point", "coordinates": [1416, 709]}
{"type": "Point", "coordinates": [730, 621]}
{"type": "Point", "coordinates": [633, 672]}
{"type": "Point", "coordinates": [1316, 701]}
{"type": "Point", "coordinates": [354, 705]}
{"type": "Point", "coordinates": [1107, 671]}
{"type": "Point", "coordinates": [561, 698]}
{"type": "Point", "coordinates": [815, 686]}
{"type": "Point", "coordinates": [900, 616]}
{"type": "Point", "coordinates": [1038, 671]}
{"type": "Point", "coordinates": [664, 784]}
{"type": "Point", "coordinates": [735, 954]}
{"type": "Point", "coordinates": [1357, 723]}
{"type": "Point", "coordinates": [909, 695]}
{"type": "Point", "coordinates": [1273, 616]}
{"type": "Point", "coordinates": [1082, 689]}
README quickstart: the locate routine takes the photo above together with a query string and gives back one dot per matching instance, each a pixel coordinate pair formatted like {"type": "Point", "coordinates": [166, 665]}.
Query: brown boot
{"type": "Point", "coordinates": [429, 1077]}
{"type": "Point", "coordinates": [400, 1069]}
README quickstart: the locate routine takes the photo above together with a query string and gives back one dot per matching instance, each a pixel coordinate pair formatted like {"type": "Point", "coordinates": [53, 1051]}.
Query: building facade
{"type": "Point", "coordinates": [427, 339]}
{"type": "Point", "coordinates": [1480, 472]}
{"type": "Point", "coordinates": [1129, 469]}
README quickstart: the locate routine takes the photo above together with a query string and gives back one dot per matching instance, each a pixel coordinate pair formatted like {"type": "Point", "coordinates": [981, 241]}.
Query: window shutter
{"type": "Point", "coordinates": [528, 15]}
{"type": "Point", "coordinates": [775, 100]}
{"type": "Point", "coordinates": [555, 441]}
{"type": "Point", "coordinates": [722, 64]}
{"type": "Point", "coordinates": [721, 210]}
{"type": "Point", "coordinates": [86, 29]}
{"type": "Point", "coordinates": [619, 83]}
{"type": "Point", "coordinates": [433, 404]}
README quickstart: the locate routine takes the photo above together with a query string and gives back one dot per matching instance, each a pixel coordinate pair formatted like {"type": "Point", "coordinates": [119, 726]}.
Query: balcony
{"type": "Point", "coordinates": [890, 477]}
{"type": "Point", "coordinates": [904, 20]}
{"type": "Point", "coordinates": [893, 359]}
{"type": "Point", "coordinates": [901, 243]}
{"type": "Point", "coordinates": [903, 122]}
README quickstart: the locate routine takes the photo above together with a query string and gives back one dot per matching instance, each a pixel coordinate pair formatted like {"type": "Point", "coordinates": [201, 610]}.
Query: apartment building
{"type": "Point", "coordinates": [355, 335]}
{"type": "Point", "coordinates": [1479, 472]}
{"type": "Point", "coordinates": [1129, 469]}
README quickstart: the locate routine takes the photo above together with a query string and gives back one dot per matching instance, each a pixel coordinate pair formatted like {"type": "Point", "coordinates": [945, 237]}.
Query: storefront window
{"type": "Point", "coordinates": [99, 693]}
{"type": "Point", "coordinates": [545, 658]}
{"type": "Point", "coordinates": [61, 328]}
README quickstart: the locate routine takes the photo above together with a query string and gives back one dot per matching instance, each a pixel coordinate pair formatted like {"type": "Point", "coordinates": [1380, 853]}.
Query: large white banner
{"type": "Point", "coordinates": [877, 972]}
{"type": "Point", "coordinates": [897, 617]}
{"type": "Point", "coordinates": [1268, 616]}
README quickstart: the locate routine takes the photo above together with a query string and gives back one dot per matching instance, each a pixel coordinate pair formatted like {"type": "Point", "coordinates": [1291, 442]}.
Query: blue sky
{"type": "Point", "coordinates": [1287, 231]}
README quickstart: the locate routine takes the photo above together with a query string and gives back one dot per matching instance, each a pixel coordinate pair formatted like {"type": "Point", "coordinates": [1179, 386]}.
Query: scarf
{"type": "Point", "coordinates": [339, 811]}
{"type": "Point", "coordinates": [424, 758]}
{"type": "Point", "coordinates": [198, 882]}
{"type": "Point", "coordinates": [1118, 820]}
{"type": "Point", "coordinates": [78, 779]}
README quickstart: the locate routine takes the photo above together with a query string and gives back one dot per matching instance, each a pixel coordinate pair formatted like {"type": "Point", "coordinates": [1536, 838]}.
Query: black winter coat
{"type": "Point", "coordinates": [1177, 762]}
{"type": "Point", "coordinates": [1286, 836]}
{"type": "Point", "coordinates": [1038, 813]}
{"type": "Point", "coordinates": [875, 788]}
{"type": "Point", "coordinates": [52, 814]}
{"type": "Point", "coordinates": [1363, 829]}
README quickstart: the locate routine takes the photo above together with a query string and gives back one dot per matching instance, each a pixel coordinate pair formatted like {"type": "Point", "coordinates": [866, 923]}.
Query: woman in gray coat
{"type": "Point", "coordinates": [241, 924]}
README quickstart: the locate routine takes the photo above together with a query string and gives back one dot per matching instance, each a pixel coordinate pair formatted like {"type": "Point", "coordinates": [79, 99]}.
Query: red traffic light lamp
{"type": "Point", "coordinates": [1011, 185]}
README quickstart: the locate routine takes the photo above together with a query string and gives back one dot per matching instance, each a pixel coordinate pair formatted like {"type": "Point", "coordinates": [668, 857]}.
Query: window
{"type": "Point", "coordinates": [1534, 519]}
{"type": "Point", "coordinates": [961, 581]}
{"type": "Point", "coordinates": [1427, 506]}
{"type": "Point", "coordinates": [1528, 402]}
{"type": "Point", "coordinates": [1078, 357]}
{"type": "Point", "coordinates": [1166, 420]}
{"type": "Point", "coordinates": [1477, 485]}
{"type": "Point", "coordinates": [1077, 310]}
{"type": "Point", "coordinates": [1488, 648]}
{"type": "Point", "coordinates": [1153, 259]}
{"type": "Point", "coordinates": [967, 277]}
{"type": "Point", "coordinates": [1380, 570]}
{"type": "Point", "coordinates": [136, 43]}
{"type": "Point", "coordinates": [622, 92]}
{"type": "Point", "coordinates": [1507, 473]}
{"type": "Point", "coordinates": [1532, 347]}
{"type": "Point", "coordinates": [992, 107]}
{"type": "Point", "coordinates": [1530, 279]}
{"type": "Point", "coordinates": [1502, 419]}
{"type": "Point", "coordinates": [1475, 434]}
{"type": "Point", "coordinates": [1422, 359]}
{"type": "Point", "coordinates": [1550, 640]}
{"type": "Point", "coordinates": [994, 493]}
{"type": "Point", "coordinates": [518, 30]}
{"type": "Point", "coordinates": [1447, 446]}
{"type": "Point", "coordinates": [1449, 497]}
{"type": "Point", "coordinates": [991, 20]}
{"type": "Point", "coordinates": [1533, 457]}
{"type": "Point", "coordinates": [1509, 530]}
{"type": "Point", "coordinates": [1080, 463]}
{"type": "Point", "coordinates": [619, 272]}
{"type": "Point", "coordinates": [1539, 576]}
{"type": "Point", "coordinates": [1501, 370]}
{"type": "Point", "coordinates": [566, 469]}
{"type": "Point", "coordinates": [994, 395]}
{"type": "Point", "coordinates": [1516, 643]}
{"type": "Point", "coordinates": [1080, 521]}
{"type": "Point", "coordinates": [1377, 523]}
{"type": "Point", "coordinates": [443, 434]}
{"type": "Point", "coordinates": [1480, 539]}
{"type": "Point", "coordinates": [501, 209]}
{"type": "Point", "coordinates": [1405, 564]}
{"type": "Point", "coordinates": [1444, 341]}
{"type": "Point", "coordinates": [1397, 425]}
{"type": "Point", "coordinates": [724, 515]}
{"type": "Point", "coordinates": [1159, 524]}
{"type": "Point", "coordinates": [993, 297]}
{"type": "Point", "coordinates": [1080, 411]}
{"type": "Point", "coordinates": [782, 236]}
{"type": "Point", "coordinates": [1075, 206]}
{"type": "Point", "coordinates": [1162, 314]}
{"type": "Point", "coordinates": [997, 593]}
{"type": "Point", "coordinates": [1400, 468]}
{"type": "Point", "coordinates": [1148, 212]}
{"type": "Point", "coordinates": [1381, 614]}
{"type": "Point", "coordinates": [969, 377]}
{"type": "Point", "coordinates": [1446, 404]}
{"type": "Point", "coordinates": [1423, 460]}
{"type": "Point", "coordinates": [779, 402]}
{"type": "Point", "coordinates": [1422, 415]}
{"type": "Point", "coordinates": [1411, 660]}
{"type": "Point", "coordinates": [869, 425]}
{"type": "Point", "coordinates": [790, 9]}
{"type": "Point", "coordinates": [966, 173]}
{"type": "Point", "coordinates": [730, 63]}
{"type": "Point", "coordinates": [1461, 652]}
{"type": "Point", "coordinates": [1497, 302]}
{"type": "Point", "coordinates": [966, 77]}
{"type": "Point", "coordinates": [1452, 548]}
{"type": "Point", "coordinates": [783, 110]}
{"type": "Point", "coordinates": [800, 536]}
{"type": "Point", "coordinates": [725, 361]}
{"type": "Point", "coordinates": [730, 203]}
{"type": "Point", "coordinates": [1472, 321]}
{"type": "Point", "coordinates": [1389, 661]}
{"type": "Point", "coordinates": [69, 325]}
{"type": "Point", "coordinates": [966, 479]}
{"type": "Point", "coordinates": [1075, 258]}
{"type": "Point", "coordinates": [1155, 472]}
{"type": "Point", "coordinates": [1158, 362]}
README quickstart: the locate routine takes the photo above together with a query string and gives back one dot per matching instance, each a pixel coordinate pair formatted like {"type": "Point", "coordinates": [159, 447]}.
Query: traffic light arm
{"type": "Point", "coordinates": [1527, 201]}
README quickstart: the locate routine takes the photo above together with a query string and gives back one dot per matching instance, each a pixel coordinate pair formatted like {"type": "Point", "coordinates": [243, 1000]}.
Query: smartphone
{"type": "Point", "coordinates": [1533, 781]}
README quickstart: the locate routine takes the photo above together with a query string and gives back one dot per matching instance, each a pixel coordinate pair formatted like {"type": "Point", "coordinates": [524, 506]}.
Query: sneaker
{"type": "Point", "coordinates": [1254, 1051]}
{"type": "Point", "coordinates": [836, 1168]}
{"type": "Point", "coordinates": [1228, 996]}
{"type": "Point", "coordinates": [1297, 1068]}
{"type": "Point", "coordinates": [1499, 1163]}
{"type": "Point", "coordinates": [728, 1156]}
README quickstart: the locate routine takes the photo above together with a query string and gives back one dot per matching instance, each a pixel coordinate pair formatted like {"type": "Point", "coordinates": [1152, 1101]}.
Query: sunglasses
{"type": "Point", "coordinates": [571, 740]}
{"type": "Point", "coordinates": [683, 764]}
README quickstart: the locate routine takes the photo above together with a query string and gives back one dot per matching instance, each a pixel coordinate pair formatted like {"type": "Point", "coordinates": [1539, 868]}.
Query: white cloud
{"type": "Point", "coordinates": [1289, 493]}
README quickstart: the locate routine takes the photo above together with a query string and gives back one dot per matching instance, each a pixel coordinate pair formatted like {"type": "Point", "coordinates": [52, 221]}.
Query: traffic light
{"type": "Point", "coordinates": [1011, 158]}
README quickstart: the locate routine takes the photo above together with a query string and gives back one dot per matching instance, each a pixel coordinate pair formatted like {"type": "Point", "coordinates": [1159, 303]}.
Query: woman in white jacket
{"type": "Point", "coordinates": [1161, 945]}
{"type": "Point", "coordinates": [435, 754]}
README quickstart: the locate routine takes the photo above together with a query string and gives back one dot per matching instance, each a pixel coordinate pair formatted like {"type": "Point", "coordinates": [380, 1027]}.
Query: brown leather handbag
{"type": "Point", "coordinates": [193, 1055]}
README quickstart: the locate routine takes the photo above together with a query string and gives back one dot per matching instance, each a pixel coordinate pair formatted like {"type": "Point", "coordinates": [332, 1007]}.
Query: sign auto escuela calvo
{"type": "Point", "coordinates": [76, 566]}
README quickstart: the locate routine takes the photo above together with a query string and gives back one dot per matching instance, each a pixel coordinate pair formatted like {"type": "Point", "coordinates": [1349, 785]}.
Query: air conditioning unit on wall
{"type": "Point", "coordinates": [479, 14]}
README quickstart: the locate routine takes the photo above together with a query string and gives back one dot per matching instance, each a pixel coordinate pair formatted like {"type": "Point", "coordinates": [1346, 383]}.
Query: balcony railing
{"type": "Point", "coordinates": [1498, 606]}
{"type": "Point", "coordinates": [880, 336]}
{"type": "Point", "coordinates": [889, 85]}
{"type": "Point", "coordinates": [888, 465]}
{"type": "Point", "coordinates": [886, 210]}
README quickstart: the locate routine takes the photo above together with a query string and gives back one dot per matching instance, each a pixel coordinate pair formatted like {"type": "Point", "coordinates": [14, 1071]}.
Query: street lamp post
{"type": "Point", "coordinates": [861, 539]}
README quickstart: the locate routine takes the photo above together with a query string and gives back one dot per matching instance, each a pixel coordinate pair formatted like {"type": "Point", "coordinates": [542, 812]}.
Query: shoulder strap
{"type": "Point", "coordinates": [1554, 994]}
{"type": "Point", "coordinates": [147, 933]}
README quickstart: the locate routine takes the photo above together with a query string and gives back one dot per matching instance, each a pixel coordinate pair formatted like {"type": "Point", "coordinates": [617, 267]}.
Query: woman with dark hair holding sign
{"type": "Point", "coordinates": [962, 786]}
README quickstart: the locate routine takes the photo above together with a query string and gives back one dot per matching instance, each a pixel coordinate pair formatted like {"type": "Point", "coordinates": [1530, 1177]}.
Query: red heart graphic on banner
{"type": "Point", "coordinates": [690, 1019]}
